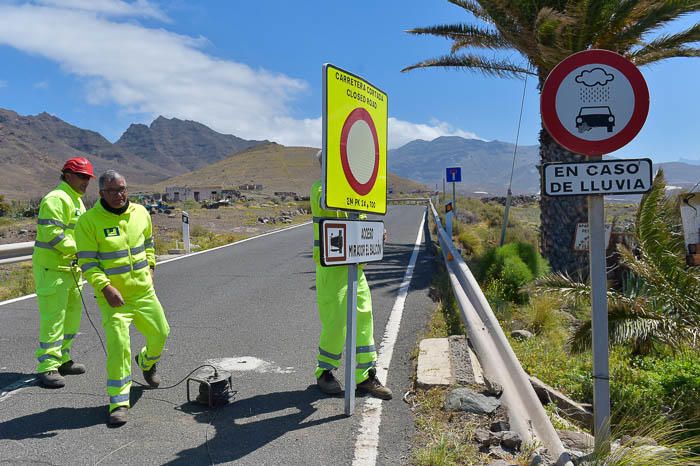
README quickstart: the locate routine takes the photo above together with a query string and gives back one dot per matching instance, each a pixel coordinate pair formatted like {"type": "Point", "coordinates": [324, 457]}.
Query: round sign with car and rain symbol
{"type": "Point", "coordinates": [594, 102]}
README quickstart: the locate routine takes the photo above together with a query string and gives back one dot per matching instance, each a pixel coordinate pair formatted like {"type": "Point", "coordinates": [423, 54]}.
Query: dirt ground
{"type": "Point", "coordinates": [241, 218]}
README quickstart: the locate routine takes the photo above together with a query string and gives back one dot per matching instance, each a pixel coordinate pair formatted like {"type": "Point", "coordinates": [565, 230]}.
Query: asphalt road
{"type": "Point", "coordinates": [249, 307]}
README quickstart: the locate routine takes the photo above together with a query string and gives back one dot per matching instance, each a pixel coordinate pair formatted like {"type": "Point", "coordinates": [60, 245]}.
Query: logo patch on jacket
{"type": "Point", "coordinates": [114, 231]}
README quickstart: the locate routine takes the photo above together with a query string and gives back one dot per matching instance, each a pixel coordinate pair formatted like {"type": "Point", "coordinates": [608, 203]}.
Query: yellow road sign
{"type": "Point", "coordinates": [354, 142]}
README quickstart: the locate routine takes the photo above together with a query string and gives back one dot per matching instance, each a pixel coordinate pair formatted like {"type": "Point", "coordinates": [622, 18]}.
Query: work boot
{"type": "Point", "coordinates": [71, 368]}
{"type": "Point", "coordinates": [328, 383]}
{"type": "Point", "coordinates": [117, 417]}
{"type": "Point", "coordinates": [152, 378]}
{"type": "Point", "coordinates": [51, 379]}
{"type": "Point", "coordinates": [374, 387]}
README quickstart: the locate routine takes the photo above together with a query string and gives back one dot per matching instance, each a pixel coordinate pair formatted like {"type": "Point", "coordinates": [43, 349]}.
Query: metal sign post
{"type": "Point", "coordinates": [449, 206]}
{"type": "Point", "coordinates": [599, 315]}
{"type": "Point", "coordinates": [592, 103]}
{"type": "Point", "coordinates": [186, 231]}
{"type": "Point", "coordinates": [454, 175]}
{"type": "Point", "coordinates": [350, 337]}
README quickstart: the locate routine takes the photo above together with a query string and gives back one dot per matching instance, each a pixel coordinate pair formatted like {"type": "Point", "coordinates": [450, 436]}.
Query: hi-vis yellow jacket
{"type": "Point", "coordinates": [319, 214]}
{"type": "Point", "coordinates": [117, 249]}
{"type": "Point", "coordinates": [59, 210]}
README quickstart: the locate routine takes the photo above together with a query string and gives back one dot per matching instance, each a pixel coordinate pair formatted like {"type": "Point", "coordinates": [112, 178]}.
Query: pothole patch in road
{"type": "Point", "coordinates": [249, 364]}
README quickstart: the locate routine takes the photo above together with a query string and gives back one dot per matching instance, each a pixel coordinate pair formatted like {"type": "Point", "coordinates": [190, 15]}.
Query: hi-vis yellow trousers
{"type": "Point", "coordinates": [148, 317]}
{"type": "Point", "coordinates": [60, 310]}
{"type": "Point", "coordinates": [331, 296]}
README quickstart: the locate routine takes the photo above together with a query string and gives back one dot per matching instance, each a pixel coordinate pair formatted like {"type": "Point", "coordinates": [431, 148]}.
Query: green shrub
{"type": "Point", "coordinates": [471, 242]}
{"type": "Point", "coordinates": [190, 205]}
{"type": "Point", "coordinates": [515, 265]}
{"type": "Point", "coordinates": [652, 386]}
{"type": "Point", "coordinates": [541, 315]}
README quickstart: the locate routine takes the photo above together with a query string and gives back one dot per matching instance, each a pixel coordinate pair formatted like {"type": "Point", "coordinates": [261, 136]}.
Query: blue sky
{"type": "Point", "coordinates": [253, 69]}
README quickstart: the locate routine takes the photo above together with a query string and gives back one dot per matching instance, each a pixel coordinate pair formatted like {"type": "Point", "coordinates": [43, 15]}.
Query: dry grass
{"type": "Point", "coordinates": [16, 280]}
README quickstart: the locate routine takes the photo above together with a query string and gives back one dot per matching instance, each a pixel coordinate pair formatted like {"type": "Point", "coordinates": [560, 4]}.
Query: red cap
{"type": "Point", "coordinates": [79, 165]}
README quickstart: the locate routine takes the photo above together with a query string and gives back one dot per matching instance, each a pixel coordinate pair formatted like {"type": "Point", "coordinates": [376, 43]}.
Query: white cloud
{"type": "Point", "coordinates": [41, 85]}
{"type": "Point", "coordinates": [3, 84]}
{"type": "Point", "coordinates": [116, 8]}
{"type": "Point", "coordinates": [154, 72]}
{"type": "Point", "coordinates": [402, 132]}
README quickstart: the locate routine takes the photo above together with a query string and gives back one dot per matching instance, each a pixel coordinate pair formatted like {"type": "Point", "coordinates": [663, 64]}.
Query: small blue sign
{"type": "Point", "coordinates": [454, 174]}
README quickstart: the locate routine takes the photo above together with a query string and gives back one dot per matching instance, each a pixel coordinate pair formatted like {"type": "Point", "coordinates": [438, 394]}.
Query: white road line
{"type": "Point", "coordinates": [367, 441]}
{"type": "Point", "coordinates": [185, 256]}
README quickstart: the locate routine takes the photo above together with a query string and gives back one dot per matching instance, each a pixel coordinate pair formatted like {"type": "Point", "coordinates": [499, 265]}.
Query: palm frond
{"type": "Point", "coordinates": [474, 8]}
{"type": "Point", "coordinates": [627, 326]}
{"type": "Point", "coordinates": [671, 41]}
{"type": "Point", "coordinates": [465, 35]}
{"type": "Point", "coordinates": [500, 68]}
{"type": "Point", "coordinates": [593, 16]}
{"type": "Point", "coordinates": [640, 58]}
{"type": "Point", "coordinates": [652, 17]}
{"type": "Point", "coordinates": [618, 18]}
{"type": "Point", "coordinates": [550, 25]}
{"type": "Point", "coordinates": [571, 291]}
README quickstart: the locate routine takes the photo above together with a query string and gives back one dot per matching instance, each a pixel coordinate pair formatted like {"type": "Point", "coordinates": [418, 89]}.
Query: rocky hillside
{"type": "Point", "coordinates": [180, 146]}
{"type": "Point", "coordinates": [33, 149]}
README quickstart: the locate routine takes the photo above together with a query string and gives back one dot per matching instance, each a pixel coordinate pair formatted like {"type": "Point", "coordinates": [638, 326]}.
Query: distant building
{"type": "Point", "coordinates": [251, 187]}
{"type": "Point", "coordinates": [192, 193]}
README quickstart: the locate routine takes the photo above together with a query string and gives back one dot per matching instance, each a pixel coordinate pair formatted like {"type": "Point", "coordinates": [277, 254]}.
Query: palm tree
{"type": "Point", "coordinates": [659, 304]}
{"type": "Point", "coordinates": [544, 33]}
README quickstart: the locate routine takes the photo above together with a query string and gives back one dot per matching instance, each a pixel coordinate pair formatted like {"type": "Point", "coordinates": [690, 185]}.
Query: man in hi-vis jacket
{"type": "Point", "coordinates": [56, 278]}
{"type": "Point", "coordinates": [331, 296]}
{"type": "Point", "coordinates": [116, 254]}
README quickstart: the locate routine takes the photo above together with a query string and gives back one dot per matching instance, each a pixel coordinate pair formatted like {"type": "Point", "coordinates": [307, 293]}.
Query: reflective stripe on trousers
{"type": "Point", "coordinates": [331, 287]}
{"type": "Point", "coordinates": [60, 311]}
{"type": "Point", "coordinates": [146, 313]}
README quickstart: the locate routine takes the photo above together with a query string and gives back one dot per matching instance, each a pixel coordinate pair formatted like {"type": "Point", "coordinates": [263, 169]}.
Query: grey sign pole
{"type": "Point", "coordinates": [599, 288]}
{"type": "Point", "coordinates": [186, 231]}
{"type": "Point", "coordinates": [351, 336]}
{"type": "Point", "coordinates": [444, 196]}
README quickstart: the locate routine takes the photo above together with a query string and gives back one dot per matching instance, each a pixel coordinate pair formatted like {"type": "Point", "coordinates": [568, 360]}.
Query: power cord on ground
{"type": "Point", "coordinates": [104, 349]}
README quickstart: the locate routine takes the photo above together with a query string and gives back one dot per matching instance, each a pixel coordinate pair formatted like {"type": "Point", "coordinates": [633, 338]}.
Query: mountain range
{"type": "Point", "coordinates": [172, 151]}
{"type": "Point", "coordinates": [486, 166]}
{"type": "Point", "coordinates": [33, 149]}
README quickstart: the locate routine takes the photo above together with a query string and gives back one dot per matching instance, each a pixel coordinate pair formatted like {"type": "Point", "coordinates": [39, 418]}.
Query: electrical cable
{"type": "Point", "coordinates": [517, 134]}
{"type": "Point", "coordinates": [220, 394]}
{"type": "Point", "coordinates": [512, 168]}
{"type": "Point", "coordinates": [80, 290]}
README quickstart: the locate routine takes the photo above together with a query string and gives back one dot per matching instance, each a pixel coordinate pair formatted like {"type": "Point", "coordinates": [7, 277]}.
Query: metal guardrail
{"type": "Point", "coordinates": [16, 252]}
{"type": "Point", "coordinates": [526, 414]}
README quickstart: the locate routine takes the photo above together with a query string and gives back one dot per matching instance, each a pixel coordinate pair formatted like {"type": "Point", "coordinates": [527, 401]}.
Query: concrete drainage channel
{"type": "Point", "coordinates": [494, 365]}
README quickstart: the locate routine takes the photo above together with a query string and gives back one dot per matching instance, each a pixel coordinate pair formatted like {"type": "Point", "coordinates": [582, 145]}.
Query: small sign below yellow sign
{"type": "Point", "coordinates": [354, 143]}
{"type": "Point", "coordinates": [351, 241]}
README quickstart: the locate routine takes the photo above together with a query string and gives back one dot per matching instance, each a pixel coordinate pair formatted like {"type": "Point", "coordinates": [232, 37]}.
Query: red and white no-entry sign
{"type": "Point", "coordinates": [359, 151]}
{"type": "Point", "coordinates": [594, 102]}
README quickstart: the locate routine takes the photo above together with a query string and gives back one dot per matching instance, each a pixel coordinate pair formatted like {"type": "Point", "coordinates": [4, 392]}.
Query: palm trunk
{"type": "Point", "coordinates": [559, 216]}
